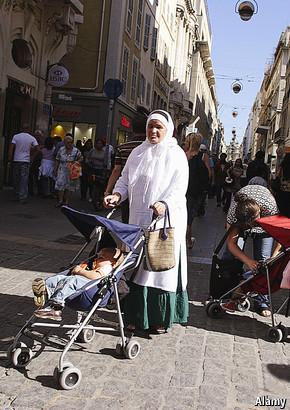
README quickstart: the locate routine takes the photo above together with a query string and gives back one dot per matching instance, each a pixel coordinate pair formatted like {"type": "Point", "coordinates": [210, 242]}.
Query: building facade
{"type": "Point", "coordinates": [268, 126]}
{"type": "Point", "coordinates": [34, 35]}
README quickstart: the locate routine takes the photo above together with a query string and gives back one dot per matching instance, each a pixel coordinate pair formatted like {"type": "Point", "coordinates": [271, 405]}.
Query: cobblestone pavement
{"type": "Point", "coordinates": [209, 364]}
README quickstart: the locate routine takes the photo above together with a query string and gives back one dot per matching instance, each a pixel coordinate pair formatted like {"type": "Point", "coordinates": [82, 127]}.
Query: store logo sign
{"type": "Point", "coordinates": [57, 76]}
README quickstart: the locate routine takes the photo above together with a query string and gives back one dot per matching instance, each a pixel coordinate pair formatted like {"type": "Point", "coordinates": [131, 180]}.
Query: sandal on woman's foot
{"type": "Point", "coordinates": [159, 330]}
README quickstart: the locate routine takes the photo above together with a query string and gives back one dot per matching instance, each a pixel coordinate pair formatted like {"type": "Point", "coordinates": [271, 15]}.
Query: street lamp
{"type": "Point", "coordinates": [246, 9]}
{"type": "Point", "coordinates": [237, 87]}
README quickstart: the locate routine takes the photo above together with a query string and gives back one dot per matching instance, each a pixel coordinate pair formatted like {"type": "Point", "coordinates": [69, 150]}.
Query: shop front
{"type": "Point", "coordinates": [82, 116]}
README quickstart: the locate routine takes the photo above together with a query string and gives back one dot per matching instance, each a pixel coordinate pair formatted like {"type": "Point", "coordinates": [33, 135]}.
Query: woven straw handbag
{"type": "Point", "coordinates": [159, 246]}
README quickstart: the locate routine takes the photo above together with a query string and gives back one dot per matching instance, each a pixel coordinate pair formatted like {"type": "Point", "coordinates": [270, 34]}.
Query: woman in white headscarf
{"type": "Point", "coordinates": [156, 170]}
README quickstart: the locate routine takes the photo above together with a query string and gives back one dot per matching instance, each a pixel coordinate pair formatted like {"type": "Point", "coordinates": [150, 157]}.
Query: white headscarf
{"type": "Point", "coordinates": [153, 157]}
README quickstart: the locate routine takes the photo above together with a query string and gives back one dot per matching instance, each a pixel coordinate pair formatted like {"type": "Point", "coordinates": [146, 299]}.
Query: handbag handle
{"type": "Point", "coordinates": [164, 234]}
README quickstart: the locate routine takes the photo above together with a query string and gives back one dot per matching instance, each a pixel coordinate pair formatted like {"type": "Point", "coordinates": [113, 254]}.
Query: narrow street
{"type": "Point", "coordinates": [209, 364]}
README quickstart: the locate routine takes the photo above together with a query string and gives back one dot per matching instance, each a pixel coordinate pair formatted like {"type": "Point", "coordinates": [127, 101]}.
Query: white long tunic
{"type": "Point", "coordinates": [169, 185]}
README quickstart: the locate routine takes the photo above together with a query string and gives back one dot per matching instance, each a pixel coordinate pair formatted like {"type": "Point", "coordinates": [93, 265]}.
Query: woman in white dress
{"type": "Point", "coordinates": [157, 170]}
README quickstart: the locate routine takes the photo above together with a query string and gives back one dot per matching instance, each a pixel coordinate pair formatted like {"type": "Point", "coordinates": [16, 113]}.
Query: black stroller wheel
{"type": "Point", "coordinates": [70, 378]}
{"type": "Point", "coordinates": [284, 330]}
{"type": "Point", "coordinates": [86, 336]}
{"type": "Point", "coordinates": [244, 305]}
{"type": "Point", "coordinates": [21, 356]}
{"type": "Point", "coordinates": [214, 310]}
{"type": "Point", "coordinates": [274, 334]}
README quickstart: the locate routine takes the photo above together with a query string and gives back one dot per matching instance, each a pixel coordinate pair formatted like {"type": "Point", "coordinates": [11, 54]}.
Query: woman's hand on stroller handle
{"type": "Point", "coordinates": [110, 201]}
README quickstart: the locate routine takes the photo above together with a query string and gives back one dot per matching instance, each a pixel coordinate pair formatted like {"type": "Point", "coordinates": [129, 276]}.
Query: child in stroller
{"type": "Point", "coordinates": [56, 289]}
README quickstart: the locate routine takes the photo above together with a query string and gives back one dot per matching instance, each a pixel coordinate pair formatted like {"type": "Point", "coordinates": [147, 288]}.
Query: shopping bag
{"type": "Point", "coordinates": [159, 246]}
{"type": "Point", "coordinates": [75, 169]}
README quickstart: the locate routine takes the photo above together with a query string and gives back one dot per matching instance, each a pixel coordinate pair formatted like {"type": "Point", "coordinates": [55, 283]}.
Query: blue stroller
{"type": "Point", "coordinates": [100, 232]}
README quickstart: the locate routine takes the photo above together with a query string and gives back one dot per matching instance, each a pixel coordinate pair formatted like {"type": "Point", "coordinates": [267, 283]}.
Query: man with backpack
{"type": "Point", "coordinates": [198, 182]}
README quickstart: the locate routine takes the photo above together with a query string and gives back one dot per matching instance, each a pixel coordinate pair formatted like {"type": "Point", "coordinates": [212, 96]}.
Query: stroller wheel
{"type": "Point", "coordinates": [284, 330]}
{"type": "Point", "coordinates": [86, 336]}
{"type": "Point", "coordinates": [70, 378]}
{"type": "Point", "coordinates": [244, 305]}
{"type": "Point", "coordinates": [21, 356]}
{"type": "Point", "coordinates": [56, 371]}
{"type": "Point", "coordinates": [132, 350]}
{"type": "Point", "coordinates": [214, 310]}
{"type": "Point", "coordinates": [274, 334]}
{"type": "Point", "coordinates": [12, 349]}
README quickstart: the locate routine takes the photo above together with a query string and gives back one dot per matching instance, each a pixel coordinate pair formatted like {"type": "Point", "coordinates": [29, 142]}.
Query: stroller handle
{"type": "Point", "coordinates": [155, 220]}
{"type": "Point", "coordinates": [112, 211]}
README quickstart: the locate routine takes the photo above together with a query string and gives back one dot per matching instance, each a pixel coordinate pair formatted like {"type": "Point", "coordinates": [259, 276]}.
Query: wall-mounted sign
{"type": "Point", "coordinates": [57, 76]}
{"type": "Point", "coordinates": [125, 122]}
{"type": "Point", "coordinates": [66, 112]}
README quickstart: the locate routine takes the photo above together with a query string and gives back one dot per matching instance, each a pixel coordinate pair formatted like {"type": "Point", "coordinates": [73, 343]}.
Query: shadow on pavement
{"type": "Point", "coordinates": [280, 371]}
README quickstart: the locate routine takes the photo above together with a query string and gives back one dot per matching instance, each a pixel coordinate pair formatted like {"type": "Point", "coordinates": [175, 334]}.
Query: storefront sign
{"type": "Point", "coordinates": [66, 113]}
{"type": "Point", "coordinates": [20, 88]}
{"type": "Point", "coordinates": [57, 76]}
{"type": "Point", "coordinates": [64, 97]}
{"type": "Point", "coordinates": [125, 122]}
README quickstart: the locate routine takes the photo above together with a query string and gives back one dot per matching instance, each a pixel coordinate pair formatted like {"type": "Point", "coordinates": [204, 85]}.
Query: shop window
{"type": "Point", "coordinates": [59, 129]}
{"type": "Point", "coordinates": [84, 132]}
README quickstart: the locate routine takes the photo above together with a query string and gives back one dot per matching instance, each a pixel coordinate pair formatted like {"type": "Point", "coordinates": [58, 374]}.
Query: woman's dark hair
{"type": "Point", "coordinates": [247, 210]}
{"type": "Point", "coordinates": [285, 165]}
{"type": "Point", "coordinates": [48, 143]}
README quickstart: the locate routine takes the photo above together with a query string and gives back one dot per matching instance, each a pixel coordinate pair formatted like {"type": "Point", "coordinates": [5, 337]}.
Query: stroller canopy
{"type": "Point", "coordinates": [86, 223]}
{"type": "Point", "coordinates": [278, 227]}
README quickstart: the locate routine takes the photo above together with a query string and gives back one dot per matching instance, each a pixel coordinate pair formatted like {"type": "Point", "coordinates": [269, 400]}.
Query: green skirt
{"type": "Point", "coordinates": [147, 307]}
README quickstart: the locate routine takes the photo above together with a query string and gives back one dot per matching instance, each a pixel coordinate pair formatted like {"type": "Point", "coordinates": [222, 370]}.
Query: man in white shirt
{"type": "Point", "coordinates": [19, 152]}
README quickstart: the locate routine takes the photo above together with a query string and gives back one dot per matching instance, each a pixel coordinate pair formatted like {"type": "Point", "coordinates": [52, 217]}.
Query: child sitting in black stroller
{"type": "Point", "coordinates": [56, 289]}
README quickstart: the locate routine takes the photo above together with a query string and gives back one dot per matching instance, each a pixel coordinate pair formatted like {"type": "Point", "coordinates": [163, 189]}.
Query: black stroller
{"type": "Point", "coordinates": [100, 232]}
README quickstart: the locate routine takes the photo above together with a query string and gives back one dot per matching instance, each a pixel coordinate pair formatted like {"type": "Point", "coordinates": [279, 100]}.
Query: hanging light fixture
{"type": "Point", "coordinates": [246, 9]}
{"type": "Point", "coordinates": [235, 113]}
{"type": "Point", "coordinates": [237, 87]}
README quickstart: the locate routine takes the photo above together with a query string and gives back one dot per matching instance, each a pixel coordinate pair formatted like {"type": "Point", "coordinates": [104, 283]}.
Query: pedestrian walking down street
{"type": "Point", "coordinates": [97, 173]}
{"type": "Point", "coordinates": [46, 169]}
{"type": "Point", "coordinates": [20, 149]}
{"type": "Point", "coordinates": [155, 171]}
{"type": "Point", "coordinates": [85, 169]}
{"type": "Point", "coordinates": [64, 184]}
{"type": "Point", "coordinates": [220, 172]}
{"type": "Point", "coordinates": [250, 203]}
{"type": "Point", "coordinates": [283, 195]}
{"type": "Point", "coordinates": [197, 185]}
{"type": "Point", "coordinates": [258, 168]}
{"type": "Point", "coordinates": [234, 174]}
{"type": "Point", "coordinates": [122, 153]}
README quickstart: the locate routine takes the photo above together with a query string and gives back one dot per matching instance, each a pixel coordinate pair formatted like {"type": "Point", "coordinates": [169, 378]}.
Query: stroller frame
{"type": "Point", "coordinates": [65, 373]}
{"type": "Point", "coordinates": [277, 332]}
